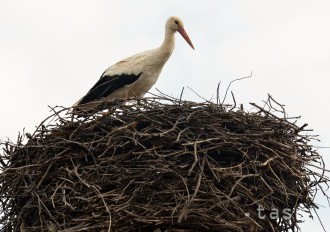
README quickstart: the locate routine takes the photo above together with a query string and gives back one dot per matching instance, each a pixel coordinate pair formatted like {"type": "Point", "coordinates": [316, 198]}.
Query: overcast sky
{"type": "Point", "coordinates": [52, 52]}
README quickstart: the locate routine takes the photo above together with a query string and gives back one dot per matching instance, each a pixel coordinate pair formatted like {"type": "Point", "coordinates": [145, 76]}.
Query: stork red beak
{"type": "Point", "coordinates": [184, 34]}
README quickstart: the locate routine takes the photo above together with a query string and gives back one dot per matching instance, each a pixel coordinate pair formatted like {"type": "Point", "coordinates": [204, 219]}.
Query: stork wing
{"type": "Point", "coordinates": [107, 85]}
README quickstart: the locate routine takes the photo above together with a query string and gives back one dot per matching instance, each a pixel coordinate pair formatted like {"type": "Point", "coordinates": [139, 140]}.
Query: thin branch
{"type": "Point", "coordinates": [238, 79]}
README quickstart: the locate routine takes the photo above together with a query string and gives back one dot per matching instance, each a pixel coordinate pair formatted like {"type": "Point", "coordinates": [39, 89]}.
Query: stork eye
{"type": "Point", "coordinates": [176, 22]}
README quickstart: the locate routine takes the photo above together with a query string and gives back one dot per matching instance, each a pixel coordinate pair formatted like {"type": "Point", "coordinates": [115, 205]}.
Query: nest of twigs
{"type": "Point", "coordinates": [160, 165]}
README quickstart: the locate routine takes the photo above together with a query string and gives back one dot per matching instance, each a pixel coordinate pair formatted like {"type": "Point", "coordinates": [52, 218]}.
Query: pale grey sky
{"type": "Point", "coordinates": [52, 52]}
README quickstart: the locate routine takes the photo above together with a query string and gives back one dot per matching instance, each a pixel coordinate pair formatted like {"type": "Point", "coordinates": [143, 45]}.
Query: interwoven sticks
{"type": "Point", "coordinates": [160, 165]}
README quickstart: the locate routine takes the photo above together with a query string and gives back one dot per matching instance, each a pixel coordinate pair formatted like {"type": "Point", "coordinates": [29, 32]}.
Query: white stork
{"type": "Point", "coordinates": [135, 75]}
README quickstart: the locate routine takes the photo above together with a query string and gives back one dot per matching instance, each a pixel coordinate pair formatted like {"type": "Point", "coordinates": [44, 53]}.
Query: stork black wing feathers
{"type": "Point", "coordinates": [107, 85]}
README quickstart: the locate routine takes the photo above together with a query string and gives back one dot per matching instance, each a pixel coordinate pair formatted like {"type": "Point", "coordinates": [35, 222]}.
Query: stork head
{"type": "Point", "coordinates": [175, 24]}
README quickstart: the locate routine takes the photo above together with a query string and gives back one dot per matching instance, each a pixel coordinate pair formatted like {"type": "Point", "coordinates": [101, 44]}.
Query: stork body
{"type": "Point", "coordinates": [135, 75]}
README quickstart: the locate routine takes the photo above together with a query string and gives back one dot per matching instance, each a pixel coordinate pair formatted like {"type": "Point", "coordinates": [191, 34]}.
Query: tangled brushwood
{"type": "Point", "coordinates": [161, 165]}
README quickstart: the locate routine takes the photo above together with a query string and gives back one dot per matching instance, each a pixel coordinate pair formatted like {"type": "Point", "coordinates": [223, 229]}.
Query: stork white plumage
{"type": "Point", "coordinates": [135, 75]}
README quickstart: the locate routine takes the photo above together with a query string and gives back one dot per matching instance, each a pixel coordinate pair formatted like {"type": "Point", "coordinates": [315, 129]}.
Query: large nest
{"type": "Point", "coordinates": [161, 165]}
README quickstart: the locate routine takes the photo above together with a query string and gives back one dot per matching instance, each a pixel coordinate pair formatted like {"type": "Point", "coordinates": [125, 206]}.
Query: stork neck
{"type": "Point", "coordinates": [168, 44]}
